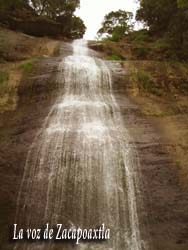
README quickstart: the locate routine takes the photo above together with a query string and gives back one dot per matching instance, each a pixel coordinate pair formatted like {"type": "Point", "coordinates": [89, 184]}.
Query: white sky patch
{"type": "Point", "coordinates": [93, 11]}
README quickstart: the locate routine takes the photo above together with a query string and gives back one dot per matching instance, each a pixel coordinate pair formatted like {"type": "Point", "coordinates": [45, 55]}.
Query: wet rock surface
{"type": "Point", "coordinates": [165, 201]}
{"type": "Point", "coordinates": [37, 93]}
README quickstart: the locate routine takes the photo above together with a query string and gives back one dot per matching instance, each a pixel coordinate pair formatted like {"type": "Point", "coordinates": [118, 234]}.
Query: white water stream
{"type": "Point", "coordinates": [79, 170]}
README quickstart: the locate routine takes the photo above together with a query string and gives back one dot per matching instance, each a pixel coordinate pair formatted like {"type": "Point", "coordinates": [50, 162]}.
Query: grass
{"type": "Point", "coordinates": [27, 66]}
{"type": "Point", "coordinates": [145, 78]}
{"type": "Point", "coordinates": [147, 82]}
{"type": "Point", "coordinates": [115, 57]}
{"type": "Point", "coordinates": [4, 77]}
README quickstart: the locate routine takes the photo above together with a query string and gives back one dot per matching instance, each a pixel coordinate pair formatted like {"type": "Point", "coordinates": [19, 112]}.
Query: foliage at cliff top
{"type": "Point", "coordinates": [167, 19]}
{"type": "Point", "coordinates": [116, 24]}
{"type": "Point", "coordinates": [59, 11]}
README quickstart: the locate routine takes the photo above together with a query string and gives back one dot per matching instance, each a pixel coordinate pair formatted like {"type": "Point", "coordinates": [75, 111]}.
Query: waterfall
{"type": "Point", "coordinates": [79, 170]}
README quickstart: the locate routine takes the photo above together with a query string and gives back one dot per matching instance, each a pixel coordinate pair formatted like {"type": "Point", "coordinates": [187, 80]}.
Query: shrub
{"type": "Point", "coordinates": [140, 36]}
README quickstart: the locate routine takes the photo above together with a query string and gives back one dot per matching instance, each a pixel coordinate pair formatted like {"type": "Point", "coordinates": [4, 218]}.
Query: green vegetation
{"type": "Point", "coordinates": [43, 17]}
{"type": "Point", "coordinates": [77, 28]}
{"type": "Point", "coordinates": [55, 8]}
{"type": "Point", "coordinates": [161, 43]}
{"type": "Point", "coordinates": [4, 77]}
{"type": "Point", "coordinates": [139, 36]}
{"type": "Point", "coordinates": [117, 34]}
{"type": "Point", "coordinates": [115, 57]}
{"type": "Point", "coordinates": [147, 82]}
{"type": "Point", "coordinates": [165, 36]}
{"type": "Point", "coordinates": [27, 66]}
{"type": "Point", "coordinates": [167, 20]}
{"type": "Point", "coordinates": [116, 24]}
{"type": "Point", "coordinates": [141, 52]}
{"type": "Point", "coordinates": [145, 78]}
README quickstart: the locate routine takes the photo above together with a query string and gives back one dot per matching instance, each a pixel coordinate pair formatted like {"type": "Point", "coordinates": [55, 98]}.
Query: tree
{"type": "Point", "coordinates": [160, 16]}
{"type": "Point", "coordinates": [54, 8]}
{"type": "Point", "coordinates": [62, 11]}
{"type": "Point", "coordinates": [12, 4]}
{"type": "Point", "coordinates": [156, 14]}
{"type": "Point", "coordinates": [73, 26]}
{"type": "Point", "coordinates": [78, 28]}
{"type": "Point", "coordinates": [57, 13]}
{"type": "Point", "coordinates": [116, 24]}
{"type": "Point", "coordinates": [167, 19]}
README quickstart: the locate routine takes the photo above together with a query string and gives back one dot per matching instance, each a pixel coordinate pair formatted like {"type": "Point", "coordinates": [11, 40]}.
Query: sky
{"type": "Point", "coordinates": [92, 12]}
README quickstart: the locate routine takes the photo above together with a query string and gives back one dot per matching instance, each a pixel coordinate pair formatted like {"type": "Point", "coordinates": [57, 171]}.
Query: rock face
{"type": "Point", "coordinates": [18, 129]}
{"type": "Point", "coordinates": [164, 196]}
{"type": "Point", "coordinates": [96, 46]}
{"type": "Point", "coordinates": [163, 214]}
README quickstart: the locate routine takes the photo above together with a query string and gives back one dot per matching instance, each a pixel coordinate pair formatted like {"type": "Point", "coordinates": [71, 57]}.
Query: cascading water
{"type": "Point", "coordinates": [79, 169]}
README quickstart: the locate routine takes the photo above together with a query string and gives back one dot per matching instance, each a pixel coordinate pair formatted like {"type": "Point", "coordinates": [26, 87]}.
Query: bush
{"type": "Point", "coordinates": [140, 36]}
{"type": "Point", "coordinates": [115, 37]}
{"type": "Point", "coordinates": [118, 34]}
